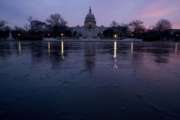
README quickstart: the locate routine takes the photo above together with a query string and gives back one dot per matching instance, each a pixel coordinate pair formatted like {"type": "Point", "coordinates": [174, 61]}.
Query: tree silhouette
{"type": "Point", "coordinates": [137, 26]}
{"type": "Point", "coordinates": [56, 20]}
{"type": "Point", "coordinates": [162, 25]}
{"type": "Point", "coordinates": [56, 24]}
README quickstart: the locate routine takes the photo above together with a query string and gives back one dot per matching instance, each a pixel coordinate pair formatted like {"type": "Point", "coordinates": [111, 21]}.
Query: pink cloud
{"type": "Point", "coordinates": [177, 25]}
{"type": "Point", "coordinates": [158, 10]}
{"type": "Point", "coordinates": [157, 13]}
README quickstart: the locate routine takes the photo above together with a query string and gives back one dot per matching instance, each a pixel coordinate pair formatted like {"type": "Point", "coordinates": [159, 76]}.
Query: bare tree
{"type": "Point", "coordinates": [56, 20]}
{"type": "Point", "coordinates": [163, 25]}
{"type": "Point", "coordinates": [137, 26]}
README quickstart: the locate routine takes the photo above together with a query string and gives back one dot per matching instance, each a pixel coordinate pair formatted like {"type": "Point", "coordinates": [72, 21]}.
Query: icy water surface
{"type": "Point", "coordinates": [89, 81]}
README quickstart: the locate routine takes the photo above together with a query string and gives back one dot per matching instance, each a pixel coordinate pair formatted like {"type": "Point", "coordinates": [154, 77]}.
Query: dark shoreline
{"type": "Point", "coordinates": [90, 40]}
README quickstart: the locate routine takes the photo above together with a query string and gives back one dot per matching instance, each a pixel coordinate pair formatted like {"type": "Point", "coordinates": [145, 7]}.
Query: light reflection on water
{"type": "Point", "coordinates": [62, 49]}
{"type": "Point", "coordinates": [89, 80]}
{"type": "Point", "coordinates": [19, 47]}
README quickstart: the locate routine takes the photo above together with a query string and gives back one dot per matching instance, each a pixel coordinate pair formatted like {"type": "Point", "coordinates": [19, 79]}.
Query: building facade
{"type": "Point", "coordinates": [90, 20]}
{"type": "Point", "coordinates": [90, 28]}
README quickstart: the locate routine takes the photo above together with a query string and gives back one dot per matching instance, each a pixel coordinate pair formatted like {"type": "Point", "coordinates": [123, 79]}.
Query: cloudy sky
{"type": "Point", "coordinates": [16, 12]}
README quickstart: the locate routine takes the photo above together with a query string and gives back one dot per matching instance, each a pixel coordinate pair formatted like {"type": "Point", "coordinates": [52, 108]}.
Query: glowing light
{"type": "Point", "coordinates": [115, 55]}
{"type": "Point", "coordinates": [115, 50]}
{"type": "Point", "coordinates": [62, 34]}
{"type": "Point", "coordinates": [19, 47]}
{"type": "Point", "coordinates": [132, 48]}
{"type": "Point", "coordinates": [62, 49]}
{"type": "Point", "coordinates": [115, 36]}
{"type": "Point", "coordinates": [115, 64]}
{"type": "Point", "coordinates": [49, 48]}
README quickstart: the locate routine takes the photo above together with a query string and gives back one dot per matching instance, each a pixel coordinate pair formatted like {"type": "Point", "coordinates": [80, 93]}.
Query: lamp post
{"type": "Point", "coordinates": [49, 35]}
{"type": "Point", "coordinates": [62, 35]}
{"type": "Point", "coordinates": [19, 35]}
{"type": "Point", "coordinates": [115, 36]}
{"type": "Point", "coordinates": [115, 55]}
{"type": "Point", "coordinates": [115, 46]}
{"type": "Point", "coordinates": [62, 45]}
{"type": "Point", "coordinates": [115, 50]}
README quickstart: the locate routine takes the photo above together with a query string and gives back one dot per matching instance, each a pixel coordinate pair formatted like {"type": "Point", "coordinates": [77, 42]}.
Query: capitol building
{"type": "Point", "coordinates": [90, 20]}
{"type": "Point", "coordinates": [90, 29]}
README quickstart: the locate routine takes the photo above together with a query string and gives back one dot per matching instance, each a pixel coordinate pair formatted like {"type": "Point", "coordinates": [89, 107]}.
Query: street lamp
{"type": "Point", "coordinates": [62, 45]}
{"type": "Point", "coordinates": [48, 34]}
{"type": "Point", "coordinates": [115, 36]}
{"type": "Point", "coordinates": [19, 34]}
{"type": "Point", "coordinates": [62, 35]}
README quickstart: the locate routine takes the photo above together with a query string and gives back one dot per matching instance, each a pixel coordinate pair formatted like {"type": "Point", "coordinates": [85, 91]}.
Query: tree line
{"type": "Point", "coordinates": [56, 26]}
{"type": "Point", "coordinates": [162, 30]}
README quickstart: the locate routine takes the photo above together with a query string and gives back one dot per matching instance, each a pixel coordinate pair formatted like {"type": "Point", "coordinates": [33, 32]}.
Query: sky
{"type": "Point", "coordinates": [16, 12]}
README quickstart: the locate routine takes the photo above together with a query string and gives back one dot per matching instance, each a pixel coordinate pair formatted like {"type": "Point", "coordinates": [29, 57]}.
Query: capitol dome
{"type": "Point", "coordinates": [90, 20]}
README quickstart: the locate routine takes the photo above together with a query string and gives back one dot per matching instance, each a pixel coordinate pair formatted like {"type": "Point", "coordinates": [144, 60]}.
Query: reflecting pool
{"type": "Point", "coordinates": [71, 80]}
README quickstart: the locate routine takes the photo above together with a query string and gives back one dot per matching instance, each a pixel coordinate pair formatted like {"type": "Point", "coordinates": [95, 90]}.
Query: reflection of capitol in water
{"type": "Point", "coordinates": [87, 53]}
{"type": "Point", "coordinates": [91, 72]}
{"type": "Point", "coordinates": [78, 79]}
